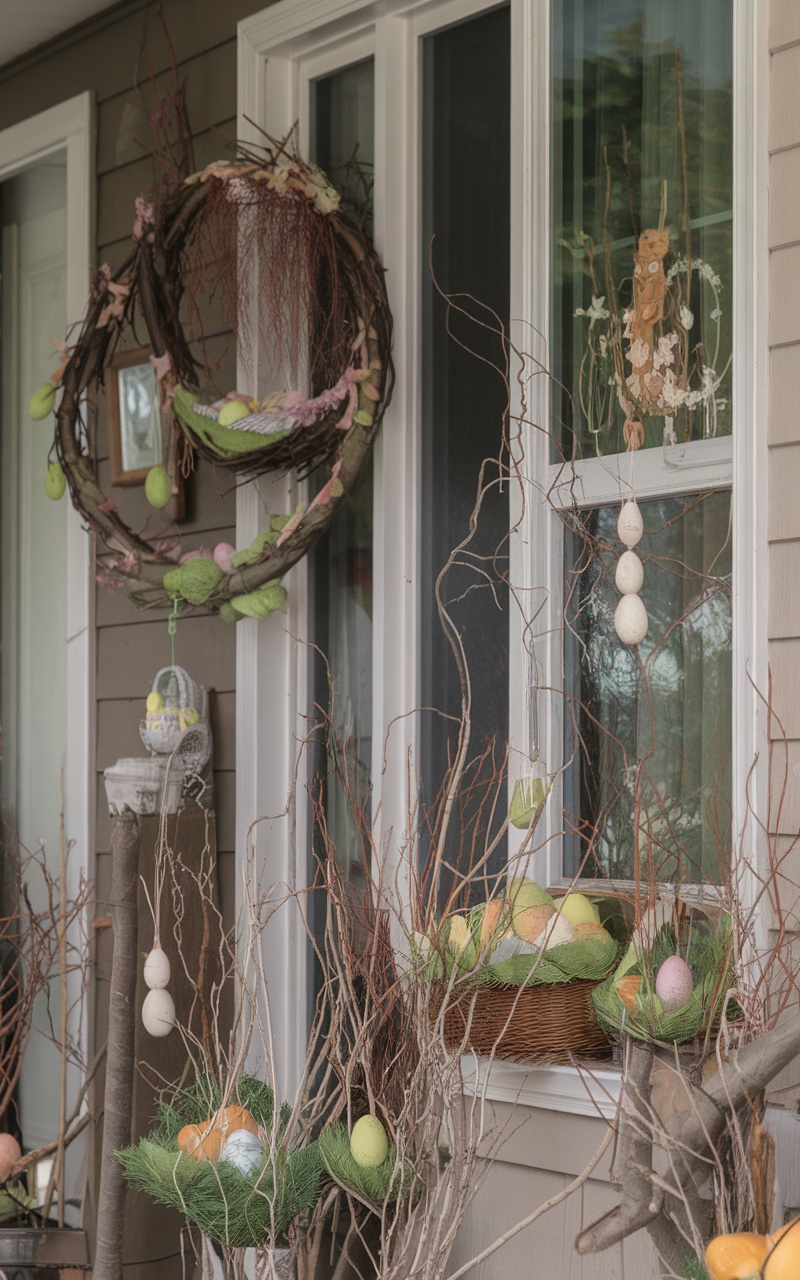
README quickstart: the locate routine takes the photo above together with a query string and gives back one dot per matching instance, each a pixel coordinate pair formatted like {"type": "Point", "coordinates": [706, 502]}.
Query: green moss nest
{"type": "Point", "coordinates": [235, 1209]}
{"type": "Point", "coordinates": [380, 1185]}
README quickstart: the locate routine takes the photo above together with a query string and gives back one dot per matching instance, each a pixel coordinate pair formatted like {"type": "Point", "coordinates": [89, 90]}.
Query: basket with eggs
{"type": "Point", "coordinates": [514, 976]}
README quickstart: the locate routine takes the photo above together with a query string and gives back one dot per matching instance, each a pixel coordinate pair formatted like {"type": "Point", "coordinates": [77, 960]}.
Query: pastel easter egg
{"type": "Point", "coordinates": [369, 1145]}
{"type": "Point", "coordinates": [630, 573]}
{"type": "Point", "coordinates": [231, 412]}
{"type": "Point", "coordinates": [156, 970]}
{"type": "Point", "coordinates": [630, 525]}
{"type": "Point", "coordinates": [674, 984]}
{"type": "Point", "coordinates": [157, 487]}
{"type": "Point", "coordinates": [630, 620]}
{"type": "Point", "coordinates": [158, 1012]}
{"type": "Point", "coordinates": [222, 556]}
{"type": "Point", "coordinates": [55, 482]}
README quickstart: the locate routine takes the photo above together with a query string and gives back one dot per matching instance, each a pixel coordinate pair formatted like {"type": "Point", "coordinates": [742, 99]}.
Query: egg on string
{"type": "Point", "coordinates": [244, 1150]}
{"type": "Point", "coordinates": [630, 573]}
{"type": "Point", "coordinates": [158, 1012]}
{"type": "Point", "coordinates": [156, 970]}
{"type": "Point", "coordinates": [630, 620]}
{"type": "Point", "coordinates": [630, 525]}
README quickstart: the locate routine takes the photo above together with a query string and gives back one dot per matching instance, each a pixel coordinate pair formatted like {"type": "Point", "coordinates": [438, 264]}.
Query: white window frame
{"type": "Point", "coordinates": [281, 49]}
{"type": "Point", "coordinates": [70, 128]}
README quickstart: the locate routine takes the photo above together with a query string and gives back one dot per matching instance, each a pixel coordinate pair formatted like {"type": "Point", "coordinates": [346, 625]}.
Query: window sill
{"type": "Point", "coordinates": [591, 1090]}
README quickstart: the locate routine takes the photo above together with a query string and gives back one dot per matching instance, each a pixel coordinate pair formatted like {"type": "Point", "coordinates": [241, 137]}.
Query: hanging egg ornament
{"type": "Point", "coordinates": [630, 574]}
{"type": "Point", "coordinates": [630, 525]}
{"type": "Point", "coordinates": [156, 970]}
{"type": "Point", "coordinates": [630, 620]}
{"type": "Point", "coordinates": [158, 1012]}
{"type": "Point", "coordinates": [243, 1150]}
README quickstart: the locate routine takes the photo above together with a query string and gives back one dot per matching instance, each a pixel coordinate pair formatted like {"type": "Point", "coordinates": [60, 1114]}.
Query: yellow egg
{"type": "Point", "coordinates": [369, 1145]}
{"type": "Point", "coordinates": [231, 412]}
{"type": "Point", "coordinates": [190, 717]}
{"type": "Point", "coordinates": [577, 908]}
{"type": "Point", "coordinates": [155, 702]}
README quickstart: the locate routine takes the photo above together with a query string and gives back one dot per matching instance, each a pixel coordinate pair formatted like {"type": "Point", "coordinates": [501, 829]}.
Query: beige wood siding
{"type": "Point", "coordinates": [784, 419]}
{"type": "Point", "coordinates": [545, 1151]}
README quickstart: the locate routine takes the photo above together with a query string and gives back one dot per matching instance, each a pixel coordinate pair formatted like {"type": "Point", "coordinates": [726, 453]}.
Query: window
{"type": "Point", "coordinates": [641, 130]}
{"type": "Point", "coordinates": [538, 133]}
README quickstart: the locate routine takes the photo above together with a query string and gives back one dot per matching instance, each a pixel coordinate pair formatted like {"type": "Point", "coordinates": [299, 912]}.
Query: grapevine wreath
{"type": "Point", "coordinates": [298, 278]}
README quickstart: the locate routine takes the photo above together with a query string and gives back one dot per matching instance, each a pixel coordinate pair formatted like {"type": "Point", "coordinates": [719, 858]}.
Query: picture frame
{"type": "Point", "coordinates": [137, 435]}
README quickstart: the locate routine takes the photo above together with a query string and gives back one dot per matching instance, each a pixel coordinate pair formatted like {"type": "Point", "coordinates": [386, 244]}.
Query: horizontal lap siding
{"type": "Point", "coordinates": [545, 1151]}
{"type": "Point", "coordinates": [783, 818]}
{"type": "Point", "coordinates": [784, 440]}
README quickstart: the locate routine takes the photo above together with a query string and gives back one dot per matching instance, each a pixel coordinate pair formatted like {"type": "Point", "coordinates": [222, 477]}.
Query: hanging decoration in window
{"type": "Point", "coordinates": [264, 238]}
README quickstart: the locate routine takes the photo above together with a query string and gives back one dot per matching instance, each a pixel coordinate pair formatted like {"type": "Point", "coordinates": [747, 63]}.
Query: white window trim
{"type": "Point", "coordinates": [70, 127]}
{"type": "Point", "coordinates": [280, 49]}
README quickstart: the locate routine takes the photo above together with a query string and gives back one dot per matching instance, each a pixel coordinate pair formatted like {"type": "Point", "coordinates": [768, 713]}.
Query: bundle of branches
{"type": "Point", "coordinates": [43, 957]}
{"type": "Point", "coordinates": [239, 1209]}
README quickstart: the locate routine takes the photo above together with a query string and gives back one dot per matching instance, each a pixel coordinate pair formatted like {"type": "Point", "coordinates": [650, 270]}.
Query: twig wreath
{"type": "Point", "coordinates": [301, 282]}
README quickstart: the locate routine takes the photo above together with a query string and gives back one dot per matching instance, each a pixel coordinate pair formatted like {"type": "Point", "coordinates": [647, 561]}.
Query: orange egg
{"type": "Point", "coordinates": [233, 1118]}
{"type": "Point", "coordinates": [783, 1262]}
{"type": "Point", "coordinates": [736, 1257]}
{"type": "Point", "coordinates": [490, 921]}
{"type": "Point", "coordinates": [201, 1141]}
{"type": "Point", "coordinates": [626, 988]}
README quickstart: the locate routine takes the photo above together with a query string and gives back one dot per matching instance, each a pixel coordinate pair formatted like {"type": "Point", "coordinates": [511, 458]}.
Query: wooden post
{"type": "Point", "coordinates": [121, 1036]}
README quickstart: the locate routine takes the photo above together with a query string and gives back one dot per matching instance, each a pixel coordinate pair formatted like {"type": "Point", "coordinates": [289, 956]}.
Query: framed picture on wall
{"type": "Point", "coordinates": [136, 434]}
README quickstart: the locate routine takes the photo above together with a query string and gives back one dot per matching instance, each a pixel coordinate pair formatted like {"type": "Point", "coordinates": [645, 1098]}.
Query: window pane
{"type": "Point", "coordinates": [466, 213]}
{"type": "Point", "coordinates": [650, 731]}
{"type": "Point", "coordinates": [641, 138]}
{"type": "Point", "coordinates": [341, 563]}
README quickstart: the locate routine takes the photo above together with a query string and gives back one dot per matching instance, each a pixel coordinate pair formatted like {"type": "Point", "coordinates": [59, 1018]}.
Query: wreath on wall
{"type": "Point", "coordinates": [303, 290]}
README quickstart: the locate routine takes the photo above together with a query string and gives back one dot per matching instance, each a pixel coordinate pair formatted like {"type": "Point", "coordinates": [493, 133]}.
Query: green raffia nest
{"type": "Point", "coordinates": [388, 1182]}
{"type": "Point", "coordinates": [587, 956]}
{"type": "Point", "coordinates": [237, 1210]}
{"type": "Point", "coordinates": [708, 955]}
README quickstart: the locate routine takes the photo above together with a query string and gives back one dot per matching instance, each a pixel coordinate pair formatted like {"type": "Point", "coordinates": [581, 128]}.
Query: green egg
{"type": "Point", "coordinates": [42, 402]}
{"type": "Point", "coordinates": [157, 487]}
{"type": "Point", "coordinates": [231, 412]}
{"type": "Point", "coordinates": [55, 482]}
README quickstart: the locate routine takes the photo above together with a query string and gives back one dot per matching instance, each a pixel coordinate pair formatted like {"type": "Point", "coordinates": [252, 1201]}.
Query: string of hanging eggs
{"type": "Point", "coordinates": [630, 618]}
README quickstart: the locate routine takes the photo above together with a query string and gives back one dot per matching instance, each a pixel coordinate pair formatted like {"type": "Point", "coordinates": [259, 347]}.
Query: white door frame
{"type": "Point", "coordinates": [70, 127]}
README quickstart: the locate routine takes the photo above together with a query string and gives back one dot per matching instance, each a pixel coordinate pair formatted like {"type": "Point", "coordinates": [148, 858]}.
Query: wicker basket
{"type": "Point", "coordinates": [547, 1022]}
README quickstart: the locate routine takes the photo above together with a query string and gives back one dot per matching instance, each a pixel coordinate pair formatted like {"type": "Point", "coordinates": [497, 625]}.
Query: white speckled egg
{"type": "Point", "coordinates": [156, 970]}
{"type": "Point", "coordinates": [630, 525]}
{"type": "Point", "coordinates": [244, 1150]}
{"type": "Point", "coordinates": [674, 984]}
{"type": "Point", "coordinates": [630, 573]}
{"type": "Point", "coordinates": [158, 1012]}
{"type": "Point", "coordinates": [630, 620]}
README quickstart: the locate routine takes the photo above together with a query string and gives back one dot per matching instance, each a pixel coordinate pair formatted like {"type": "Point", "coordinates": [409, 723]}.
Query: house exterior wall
{"type": "Point", "coordinates": [107, 55]}
{"type": "Point", "coordinates": [784, 441]}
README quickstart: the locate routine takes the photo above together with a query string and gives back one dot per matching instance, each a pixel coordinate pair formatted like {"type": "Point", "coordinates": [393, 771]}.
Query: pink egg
{"type": "Point", "coordinates": [222, 556]}
{"type": "Point", "coordinates": [200, 553]}
{"type": "Point", "coordinates": [674, 984]}
{"type": "Point", "coordinates": [10, 1153]}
